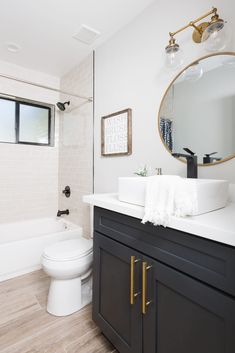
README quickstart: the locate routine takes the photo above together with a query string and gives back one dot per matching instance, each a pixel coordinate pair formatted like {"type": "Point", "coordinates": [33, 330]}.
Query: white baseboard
{"type": "Point", "coordinates": [7, 276]}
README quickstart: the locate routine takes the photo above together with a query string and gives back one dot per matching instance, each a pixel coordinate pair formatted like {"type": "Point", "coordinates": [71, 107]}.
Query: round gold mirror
{"type": "Point", "coordinates": [197, 112]}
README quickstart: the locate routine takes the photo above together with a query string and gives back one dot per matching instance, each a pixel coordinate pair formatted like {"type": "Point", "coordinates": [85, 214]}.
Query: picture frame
{"type": "Point", "coordinates": [116, 133]}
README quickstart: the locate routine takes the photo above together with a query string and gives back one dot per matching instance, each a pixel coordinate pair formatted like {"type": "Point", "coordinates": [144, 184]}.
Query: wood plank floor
{"type": "Point", "coordinates": [26, 327]}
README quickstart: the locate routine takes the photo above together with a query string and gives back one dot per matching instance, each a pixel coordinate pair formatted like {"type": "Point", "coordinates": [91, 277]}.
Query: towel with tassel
{"type": "Point", "coordinates": [166, 196]}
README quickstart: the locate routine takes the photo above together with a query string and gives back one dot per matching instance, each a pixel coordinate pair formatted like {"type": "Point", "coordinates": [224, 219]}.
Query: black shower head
{"type": "Point", "coordinates": [61, 106]}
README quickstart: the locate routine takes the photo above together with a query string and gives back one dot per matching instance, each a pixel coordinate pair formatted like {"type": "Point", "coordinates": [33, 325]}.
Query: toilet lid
{"type": "Point", "coordinates": [69, 249]}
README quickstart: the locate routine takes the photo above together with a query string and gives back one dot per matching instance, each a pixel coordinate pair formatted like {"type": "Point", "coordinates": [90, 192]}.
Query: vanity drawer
{"type": "Point", "coordinates": [209, 261]}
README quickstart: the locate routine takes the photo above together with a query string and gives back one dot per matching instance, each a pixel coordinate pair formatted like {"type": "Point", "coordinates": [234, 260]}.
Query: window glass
{"type": "Point", "coordinates": [7, 121]}
{"type": "Point", "coordinates": [33, 124]}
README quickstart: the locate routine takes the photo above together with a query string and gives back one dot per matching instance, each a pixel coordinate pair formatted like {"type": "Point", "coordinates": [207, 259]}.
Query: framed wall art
{"type": "Point", "coordinates": [116, 133]}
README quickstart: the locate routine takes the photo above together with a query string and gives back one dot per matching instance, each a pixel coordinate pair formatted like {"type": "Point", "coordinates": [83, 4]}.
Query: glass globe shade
{"type": "Point", "coordinates": [216, 36]}
{"type": "Point", "coordinates": [173, 57]}
{"type": "Point", "coordinates": [193, 73]}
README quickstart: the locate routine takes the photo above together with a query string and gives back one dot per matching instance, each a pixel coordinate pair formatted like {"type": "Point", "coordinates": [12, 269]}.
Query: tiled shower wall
{"type": "Point", "coordinates": [28, 174]}
{"type": "Point", "coordinates": [28, 182]}
{"type": "Point", "coordinates": [76, 144]}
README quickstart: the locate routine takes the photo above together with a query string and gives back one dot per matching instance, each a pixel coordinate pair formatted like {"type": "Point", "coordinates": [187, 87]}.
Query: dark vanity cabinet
{"type": "Point", "coordinates": [120, 321]}
{"type": "Point", "coordinates": [158, 290]}
{"type": "Point", "coordinates": [186, 315]}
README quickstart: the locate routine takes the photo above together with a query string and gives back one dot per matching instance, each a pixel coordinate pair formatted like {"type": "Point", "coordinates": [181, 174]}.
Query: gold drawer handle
{"type": "Point", "coordinates": [133, 295]}
{"type": "Point", "coordinates": [145, 302]}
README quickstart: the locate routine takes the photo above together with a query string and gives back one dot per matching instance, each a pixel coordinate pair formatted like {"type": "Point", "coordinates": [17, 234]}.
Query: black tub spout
{"type": "Point", "coordinates": [60, 213]}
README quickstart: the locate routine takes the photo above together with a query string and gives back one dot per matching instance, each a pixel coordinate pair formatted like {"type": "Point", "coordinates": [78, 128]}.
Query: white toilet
{"type": "Point", "coordinates": [69, 265]}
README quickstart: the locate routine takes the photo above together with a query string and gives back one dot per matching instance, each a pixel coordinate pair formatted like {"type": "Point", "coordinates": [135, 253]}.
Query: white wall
{"type": "Point", "coordinates": [28, 174]}
{"type": "Point", "coordinates": [129, 73]}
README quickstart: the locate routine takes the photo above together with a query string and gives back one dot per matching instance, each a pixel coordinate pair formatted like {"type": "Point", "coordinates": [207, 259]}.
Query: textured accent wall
{"type": "Point", "coordinates": [76, 144]}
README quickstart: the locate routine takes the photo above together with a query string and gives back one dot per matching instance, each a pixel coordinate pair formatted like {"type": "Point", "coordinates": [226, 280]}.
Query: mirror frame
{"type": "Point", "coordinates": [161, 104]}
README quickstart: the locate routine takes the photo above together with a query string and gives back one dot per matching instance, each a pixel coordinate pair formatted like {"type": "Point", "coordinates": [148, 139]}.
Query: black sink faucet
{"type": "Point", "coordinates": [191, 162]}
{"type": "Point", "coordinates": [60, 213]}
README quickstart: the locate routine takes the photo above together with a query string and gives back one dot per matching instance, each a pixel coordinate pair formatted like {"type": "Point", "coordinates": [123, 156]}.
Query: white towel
{"type": "Point", "coordinates": [168, 195]}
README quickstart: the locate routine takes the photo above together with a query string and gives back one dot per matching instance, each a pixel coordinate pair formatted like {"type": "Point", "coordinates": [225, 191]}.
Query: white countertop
{"type": "Point", "coordinates": [218, 225]}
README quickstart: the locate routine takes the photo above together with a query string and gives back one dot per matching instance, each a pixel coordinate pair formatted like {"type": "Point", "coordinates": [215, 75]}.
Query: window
{"type": "Point", "coordinates": [25, 122]}
{"type": "Point", "coordinates": [7, 120]}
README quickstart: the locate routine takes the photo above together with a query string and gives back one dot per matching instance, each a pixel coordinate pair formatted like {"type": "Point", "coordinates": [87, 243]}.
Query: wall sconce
{"type": "Point", "coordinates": [209, 32]}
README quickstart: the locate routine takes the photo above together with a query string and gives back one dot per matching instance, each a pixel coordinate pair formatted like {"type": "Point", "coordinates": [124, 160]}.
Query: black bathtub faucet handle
{"type": "Point", "coordinates": [67, 191]}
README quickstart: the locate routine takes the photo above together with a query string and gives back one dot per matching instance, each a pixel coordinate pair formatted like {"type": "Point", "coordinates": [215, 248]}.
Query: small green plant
{"type": "Point", "coordinates": [143, 172]}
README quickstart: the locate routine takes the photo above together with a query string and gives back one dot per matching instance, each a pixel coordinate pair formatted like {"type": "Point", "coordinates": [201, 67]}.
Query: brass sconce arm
{"type": "Point", "coordinates": [200, 31]}
{"type": "Point", "coordinates": [192, 23]}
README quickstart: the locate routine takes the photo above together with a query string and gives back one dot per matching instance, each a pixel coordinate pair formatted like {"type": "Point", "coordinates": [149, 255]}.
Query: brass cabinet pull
{"type": "Point", "coordinates": [145, 302]}
{"type": "Point", "coordinates": [133, 295]}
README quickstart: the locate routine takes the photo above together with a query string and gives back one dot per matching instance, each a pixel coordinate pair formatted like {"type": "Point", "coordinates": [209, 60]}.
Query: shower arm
{"type": "Point", "coordinates": [78, 106]}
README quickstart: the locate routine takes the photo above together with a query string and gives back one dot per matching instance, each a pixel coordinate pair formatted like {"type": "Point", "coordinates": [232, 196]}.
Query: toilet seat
{"type": "Point", "coordinates": [69, 250]}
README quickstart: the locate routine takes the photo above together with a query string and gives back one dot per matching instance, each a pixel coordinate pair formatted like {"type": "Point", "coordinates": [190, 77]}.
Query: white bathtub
{"type": "Point", "coordinates": [22, 243]}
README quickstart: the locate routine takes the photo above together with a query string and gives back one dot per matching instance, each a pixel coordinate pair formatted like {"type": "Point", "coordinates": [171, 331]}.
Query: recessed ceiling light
{"type": "Point", "coordinates": [86, 34]}
{"type": "Point", "coordinates": [12, 47]}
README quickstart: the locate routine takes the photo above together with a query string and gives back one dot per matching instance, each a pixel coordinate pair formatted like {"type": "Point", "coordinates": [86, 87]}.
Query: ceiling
{"type": "Point", "coordinates": [43, 29]}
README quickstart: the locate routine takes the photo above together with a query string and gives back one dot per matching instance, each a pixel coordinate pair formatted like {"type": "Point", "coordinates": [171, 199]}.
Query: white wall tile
{"type": "Point", "coordinates": [28, 174]}
{"type": "Point", "coordinates": [76, 145]}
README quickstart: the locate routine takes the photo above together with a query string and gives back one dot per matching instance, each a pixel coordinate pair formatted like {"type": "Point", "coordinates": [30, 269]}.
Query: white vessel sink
{"type": "Point", "coordinates": [211, 194]}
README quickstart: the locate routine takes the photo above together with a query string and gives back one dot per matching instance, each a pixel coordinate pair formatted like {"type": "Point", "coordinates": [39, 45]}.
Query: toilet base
{"type": "Point", "coordinates": [68, 296]}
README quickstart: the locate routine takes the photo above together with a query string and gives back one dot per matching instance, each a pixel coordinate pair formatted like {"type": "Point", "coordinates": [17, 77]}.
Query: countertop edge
{"type": "Point", "coordinates": [201, 225]}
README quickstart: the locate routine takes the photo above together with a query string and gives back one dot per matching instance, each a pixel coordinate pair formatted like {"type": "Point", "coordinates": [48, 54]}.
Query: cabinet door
{"type": "Point", "coordinates": [119, 320]}
{"type": "Point", "coordinates": [185, 315]}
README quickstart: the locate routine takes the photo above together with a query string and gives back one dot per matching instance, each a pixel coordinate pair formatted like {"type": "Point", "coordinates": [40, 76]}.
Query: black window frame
{"type": "Point", "coordinates": [48, 107]}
